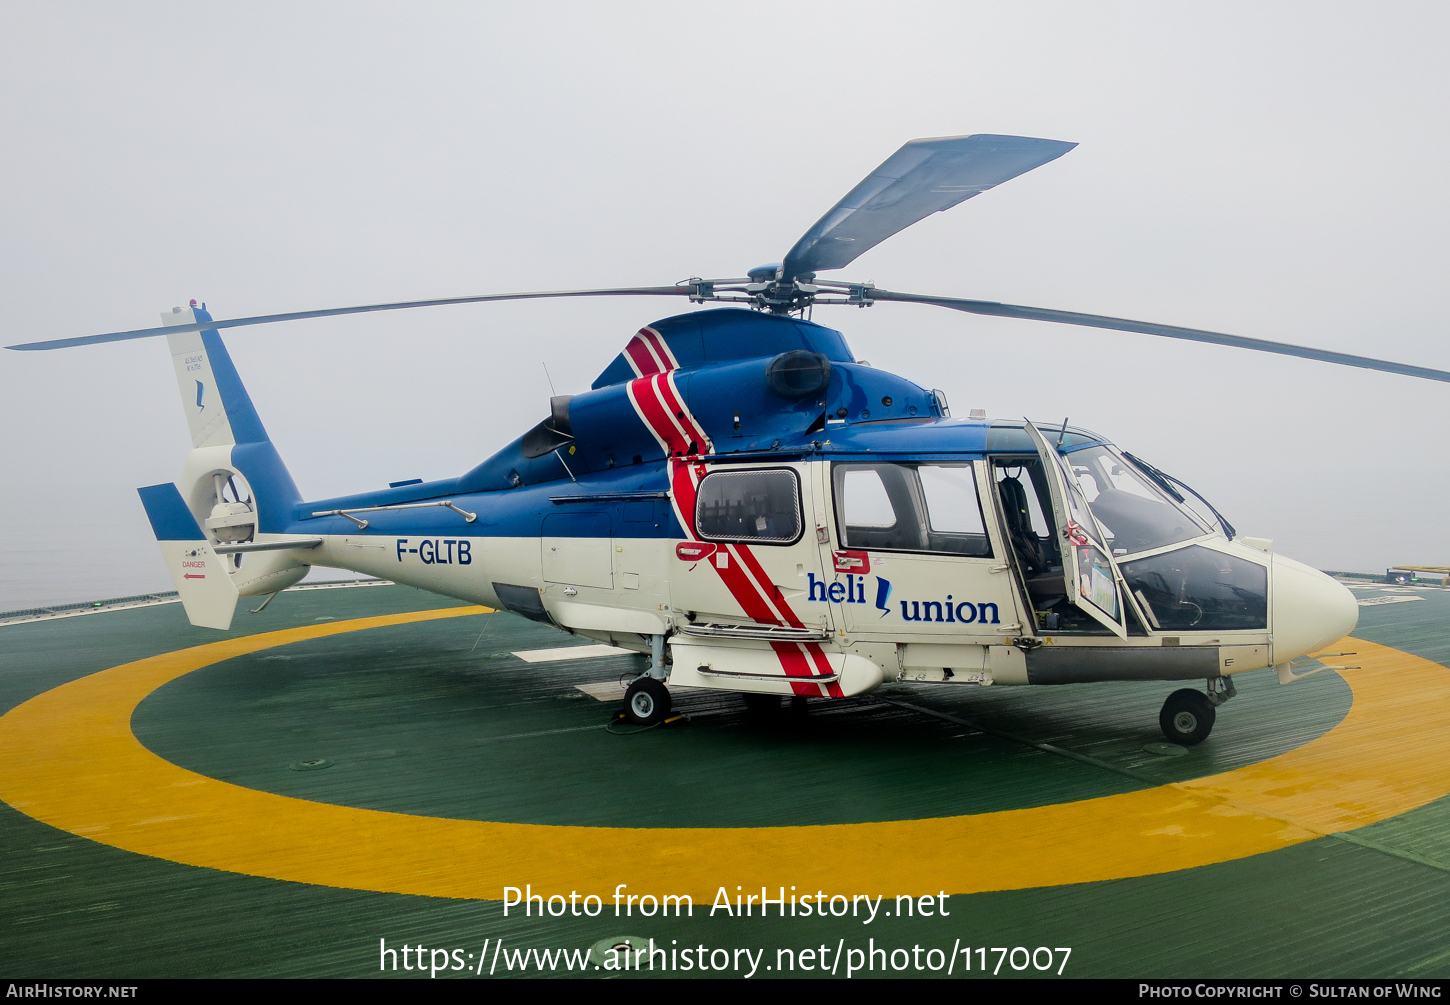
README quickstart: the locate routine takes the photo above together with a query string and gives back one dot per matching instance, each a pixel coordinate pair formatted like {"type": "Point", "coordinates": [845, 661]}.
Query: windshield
{"type": "Point", "coordinates": [1135, 515]}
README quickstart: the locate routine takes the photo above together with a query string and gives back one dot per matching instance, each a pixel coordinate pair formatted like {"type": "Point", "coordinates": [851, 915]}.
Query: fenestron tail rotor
{"type": "Point", "coordinates": [925, 176]}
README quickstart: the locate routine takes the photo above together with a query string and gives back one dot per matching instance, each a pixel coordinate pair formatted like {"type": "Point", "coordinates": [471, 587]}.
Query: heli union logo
{"type": "Point", "coordinates": [950, 610]}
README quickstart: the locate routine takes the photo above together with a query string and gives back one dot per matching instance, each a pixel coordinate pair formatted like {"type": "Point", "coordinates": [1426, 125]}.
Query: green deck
{"type": "Point", "coordinates": [438, 719]}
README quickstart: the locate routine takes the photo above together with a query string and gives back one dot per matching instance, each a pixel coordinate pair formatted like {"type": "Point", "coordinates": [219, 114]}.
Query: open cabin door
{"type": "Point", "coordinates": [1092, 579]}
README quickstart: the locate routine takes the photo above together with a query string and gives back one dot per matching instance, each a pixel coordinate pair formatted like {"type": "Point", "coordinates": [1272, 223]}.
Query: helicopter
{"type": "Point", "coordinates": [740, 498]}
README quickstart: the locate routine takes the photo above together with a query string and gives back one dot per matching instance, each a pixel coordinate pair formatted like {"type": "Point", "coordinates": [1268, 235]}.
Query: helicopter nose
{"type": "Point", "coordinates": [1310, 610]}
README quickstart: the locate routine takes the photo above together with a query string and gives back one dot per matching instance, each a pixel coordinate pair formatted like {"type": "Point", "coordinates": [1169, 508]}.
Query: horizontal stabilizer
{"type": "Point", "coordinates": [202, 578]}
{"type": "Point", "coordinates": [291, 544]}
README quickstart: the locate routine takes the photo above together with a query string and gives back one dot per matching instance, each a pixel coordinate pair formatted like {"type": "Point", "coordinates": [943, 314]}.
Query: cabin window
{"type": "Point", "coordinates": [752, 507]}
{"type": "Point", "coordinates": [910, 507]}
{"type": "Point", "coordinates": [865, 502]}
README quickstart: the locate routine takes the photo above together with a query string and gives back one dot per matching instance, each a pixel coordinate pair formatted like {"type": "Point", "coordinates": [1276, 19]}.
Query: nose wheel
{"type": "Point", "coordinates": [647, 702]}
{"type": "Point", "coordinates": [1187, 717]}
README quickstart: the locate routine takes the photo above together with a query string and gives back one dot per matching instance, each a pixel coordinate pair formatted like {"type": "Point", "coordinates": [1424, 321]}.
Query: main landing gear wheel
{"type": "Point", "coordinates": [647, 702]}
{"type": "Point", "coordinates": [1187, 717]}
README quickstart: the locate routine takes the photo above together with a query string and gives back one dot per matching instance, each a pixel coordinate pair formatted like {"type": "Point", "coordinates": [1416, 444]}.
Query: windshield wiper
{"type": "Point", "coordinates": [1166, 482]}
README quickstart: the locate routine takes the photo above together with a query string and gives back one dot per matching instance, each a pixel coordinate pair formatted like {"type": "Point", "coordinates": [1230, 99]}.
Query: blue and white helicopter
{"type": "Point", "coordinates": [742, 499]}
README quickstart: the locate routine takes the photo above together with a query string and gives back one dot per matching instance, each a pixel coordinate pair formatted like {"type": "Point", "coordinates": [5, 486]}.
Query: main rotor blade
{"type": "Point", "coordinates": [65, 343]}
{"type": "Point", "coordinates": [1168, 331]}
{"type": "Point", "coordinates": [924, 177]}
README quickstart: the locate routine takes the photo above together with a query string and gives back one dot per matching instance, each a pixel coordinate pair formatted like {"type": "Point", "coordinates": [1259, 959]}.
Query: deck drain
{"type": "Point", "coordinates": [1165, 749]}
{"type": "Point", "coordinates": [599, 953]}
{"type": "Point", "coordinates": [315, 764]}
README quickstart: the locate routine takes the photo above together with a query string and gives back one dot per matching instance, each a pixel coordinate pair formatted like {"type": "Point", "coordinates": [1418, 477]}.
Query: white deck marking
{"type": "Point", "coordinates": [570, 653]}
{"type": "Point", "coordinates": [608, 690]}
{"type": "Point", "coordinates": [1375, 601]}
{"type": "Point", "coordinates": [150, 600]}
{"type": "Point", "coordinates": [542, 732]}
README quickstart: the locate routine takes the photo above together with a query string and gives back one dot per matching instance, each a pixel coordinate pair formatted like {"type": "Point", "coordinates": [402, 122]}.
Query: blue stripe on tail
{"type": "Point", "coordinates": [170, 519]}
{"type": "Point", "coordinates": [254, 455]}
{"type": "Point", "coordinates": [246, 424]}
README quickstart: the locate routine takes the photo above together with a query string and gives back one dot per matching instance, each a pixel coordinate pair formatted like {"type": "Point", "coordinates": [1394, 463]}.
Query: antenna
{"type": "Point", "coordinates": [1063, 433]}
{"type": "Point", "coordinates": [548, 378]}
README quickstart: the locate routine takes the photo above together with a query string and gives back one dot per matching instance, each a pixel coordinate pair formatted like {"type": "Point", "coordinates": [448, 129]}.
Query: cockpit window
{"type": "Point", "coordinates": [1135, 515]}
{"type": "Point", "coordinates": [1200, 590]}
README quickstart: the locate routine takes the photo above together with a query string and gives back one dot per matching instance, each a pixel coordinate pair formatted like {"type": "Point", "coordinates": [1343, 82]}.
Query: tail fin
{"type": "Point", "coordinates": [203, 578]}
{"type": "Point", "coordinates": [234, 487]}
{"type": "Point", "coordinates": [218, 409]}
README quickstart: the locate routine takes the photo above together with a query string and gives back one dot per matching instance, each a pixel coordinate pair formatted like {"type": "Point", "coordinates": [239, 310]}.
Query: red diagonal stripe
{"type": "Point", "coordinates": [823, 665]}
{"type": "Point", "coordinates": [670, 396]}
{"type": "Point", "coordinates": [746, 594]}
{"type": "Point", "coordinates": [659, 347]}
{"type": "Point", "coordinates": [767, 586]}
{"type": "Point", "coordinates": [644, 392]}
{"type": "Point", "coordinates": [641, 357]}
{"type": "Point", "coordinates": [793, 661]}
{"type": "Point", "coordinates": [685, 429]}
{"type": "Point", "coordinates": [683, 485]}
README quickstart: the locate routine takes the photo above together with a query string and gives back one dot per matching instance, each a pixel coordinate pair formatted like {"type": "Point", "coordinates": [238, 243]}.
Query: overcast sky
{"type": "Point", "coordinates": [1272, 170]}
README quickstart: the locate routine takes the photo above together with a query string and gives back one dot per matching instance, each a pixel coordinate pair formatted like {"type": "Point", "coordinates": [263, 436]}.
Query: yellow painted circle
{"type": "Point", "coordinates": [68, 758]}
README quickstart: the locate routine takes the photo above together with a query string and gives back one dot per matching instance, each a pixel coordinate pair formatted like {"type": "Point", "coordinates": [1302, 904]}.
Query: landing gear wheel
{"type": "Point", "coordinates": [1187, 717]}
{"type": "Point", "coordinates": [647, 702]}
